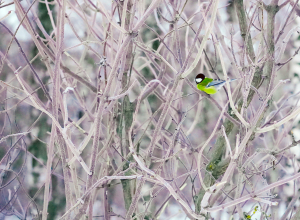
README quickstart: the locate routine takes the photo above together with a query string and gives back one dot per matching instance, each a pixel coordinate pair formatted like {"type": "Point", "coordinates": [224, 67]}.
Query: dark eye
{"type": "Point", "coordinates": [199, 78]}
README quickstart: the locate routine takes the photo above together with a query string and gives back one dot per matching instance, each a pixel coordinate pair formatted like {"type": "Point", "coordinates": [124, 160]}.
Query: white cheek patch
{"type": "Point", "coordinates": [198, 80]}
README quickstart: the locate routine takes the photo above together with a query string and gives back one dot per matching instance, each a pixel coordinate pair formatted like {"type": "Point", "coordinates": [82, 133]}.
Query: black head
{"type": "Point", "coordinates": [199, 78]}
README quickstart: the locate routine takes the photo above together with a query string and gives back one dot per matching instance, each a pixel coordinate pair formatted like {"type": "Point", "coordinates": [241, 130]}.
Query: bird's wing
{"type": "Point", "coordinates": [216, 83]}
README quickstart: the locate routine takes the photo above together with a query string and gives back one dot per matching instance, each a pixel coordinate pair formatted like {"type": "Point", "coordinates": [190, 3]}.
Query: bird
{"type": "Point", "coordinates": [208, 85]}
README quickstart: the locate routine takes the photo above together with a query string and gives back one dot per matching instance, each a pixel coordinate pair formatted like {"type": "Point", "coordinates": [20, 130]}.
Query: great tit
{"type": "Point", "coordinates": [208, 85]}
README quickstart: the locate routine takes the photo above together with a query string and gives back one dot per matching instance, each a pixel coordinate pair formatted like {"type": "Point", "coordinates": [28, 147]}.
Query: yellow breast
{"type": "Point", "coordinates": [209, 90]}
